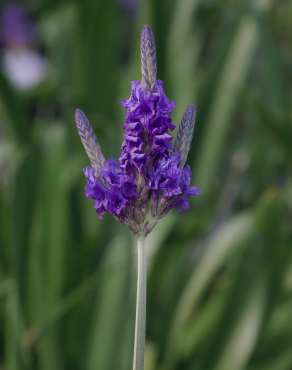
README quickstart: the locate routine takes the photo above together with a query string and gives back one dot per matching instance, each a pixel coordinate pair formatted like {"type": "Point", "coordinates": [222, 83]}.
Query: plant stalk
{"type": "Point", "coordinates": [139, 344]}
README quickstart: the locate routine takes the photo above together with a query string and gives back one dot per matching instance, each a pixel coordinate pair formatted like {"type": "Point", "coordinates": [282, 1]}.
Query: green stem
{"type": "Point", "coordinates": [139, 345]}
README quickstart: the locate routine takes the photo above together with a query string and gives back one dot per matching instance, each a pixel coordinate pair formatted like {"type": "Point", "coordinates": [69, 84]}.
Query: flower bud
{"type": "Point", "coordinates": [145, 193]}
{"type": "Point", "coordinates": [131, 226]}
{"type": "Point", "coordinates": [145, 207]}
{"type": "Point", "coordinates": [89, 142]}
{"type": "Point", "coordinates": [138, 216]}
{"type": "Point", "coordinates": [148, 60]}
{"type": "Point", "coordinates": [185, 134]}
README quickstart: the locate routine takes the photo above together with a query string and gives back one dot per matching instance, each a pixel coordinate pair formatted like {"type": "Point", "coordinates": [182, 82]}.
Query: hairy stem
{"type": "Point", "coordinates": [139, 345]}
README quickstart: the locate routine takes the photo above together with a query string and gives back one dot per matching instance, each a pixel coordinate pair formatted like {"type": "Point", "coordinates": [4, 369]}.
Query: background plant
{"type": "Point", "coordinates": [219, 280]}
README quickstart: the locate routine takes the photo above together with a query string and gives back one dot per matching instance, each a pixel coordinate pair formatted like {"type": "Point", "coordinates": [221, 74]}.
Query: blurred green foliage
{"type": "Point", "coordinates": [220, 276]}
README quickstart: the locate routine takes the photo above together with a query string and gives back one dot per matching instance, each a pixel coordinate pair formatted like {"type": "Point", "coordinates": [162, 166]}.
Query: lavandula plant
{"type": "Point", "coordinates": [150, 172]}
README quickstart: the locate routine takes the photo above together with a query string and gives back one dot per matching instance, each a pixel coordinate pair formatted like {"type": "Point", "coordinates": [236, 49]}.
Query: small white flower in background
{"type": "Point", "coordinates": [25, 68]}
{"type": "Point", "coordinates": [23, 64]}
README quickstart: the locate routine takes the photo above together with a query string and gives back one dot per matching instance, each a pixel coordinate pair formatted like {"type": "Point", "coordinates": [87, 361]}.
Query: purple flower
{"type": "Point", "coordinates": [159, 125]}
{"type": "Point", "coordinates": [182, 203]}
{"type": "Point", "coordinates": [185, 178]}
{"type": "Point", "coordinates": [89, 174]}
{"type": "Point", "coordinates": [161, 144]}
{"type": "Point", "coordinates": [139, 160]}
{"type": "Point", "coordinates": [134, 128]}
{"type": "Point", "coordinates": [164, 105]}
{"type": "Point", "coordinates": [146, 108]}
{"type": "Point", "coordinates": [133, 102]}
{"type": "Point", "coordinates": [153, 178]}
{"type": "Point", "coordinates": [172, 162]}
{"type": "Point", "coordinates": [129, 189]}
{"type": "Point", "coordinates": [116, 200]}
{"type": "Point", "coordinates": [16, 30]}
{"type": "Point", "coordinates": [126, 165]}
{"type": "Point", "coordinates": [112, 173]}
{"type": "Point", "coordinates": [95, 190]}
{"type": "Point", "coordinates": [132, 142]}
{"type": "Point", "coordinates": [171, 185]}
{"type": "Point", "coordinates": [193, 190]}
{"type": "Point", "coordinates": [149, 165]}
{"type": "Point", "coordinates": [185, 182]}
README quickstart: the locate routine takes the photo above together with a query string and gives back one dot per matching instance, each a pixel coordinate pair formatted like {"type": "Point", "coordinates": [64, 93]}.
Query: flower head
{"type": "Point", "coordinates": [150, 167]}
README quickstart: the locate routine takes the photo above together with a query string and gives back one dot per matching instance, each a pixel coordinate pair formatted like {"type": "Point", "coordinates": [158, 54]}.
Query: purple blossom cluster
{"type": "Point", "coordinates": [151, 169]}
{"type": "Point", "coordinates": [113, 192]}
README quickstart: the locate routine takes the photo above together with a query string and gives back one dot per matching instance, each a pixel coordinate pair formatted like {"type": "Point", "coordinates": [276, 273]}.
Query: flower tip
{"type": "Point", "coordinates": [147, 29]}
{"type": "Point", "coordinates": [79, 112]}
{"type": "Point", "coordinates": [191, 109]}
{"type": "Point", "coordinates": [185, 134]}
{"type": "Point", "coordinates": [79, 115]}
{"type": "Point", "coordinates": [148, 59]}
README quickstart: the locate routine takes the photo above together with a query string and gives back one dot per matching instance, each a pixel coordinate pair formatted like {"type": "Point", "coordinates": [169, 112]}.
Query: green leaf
{"type": "Point", "coordinates": [18, 118]}
{"type": "Point", "coordinates": [106, 336]}
{"type": "Point", "coordinates": [183, 46]}
{"type": "Point", "coordinates": [204, 324]}
{"type": "Point", "coordinates": [220, 246]}
{"type": "Point", "coordinates": [231, 81]}
{"type": "Point", "coordinates": [242, 339]}
{"type": "Point", "coordinates": [16, 355]}
{"type": "Point", "coordinates": [23, 209]}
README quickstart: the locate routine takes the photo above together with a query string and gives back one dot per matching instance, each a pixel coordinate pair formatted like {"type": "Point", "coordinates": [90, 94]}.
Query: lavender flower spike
{"type": "Point", "coordinates": [150, 173]}
{"type": "Point", "coordinates": [89, 141]}
{"type": "Point", "coordinates": [185, 134]}
{"type": "Point", "coordinates": [148, 60]}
